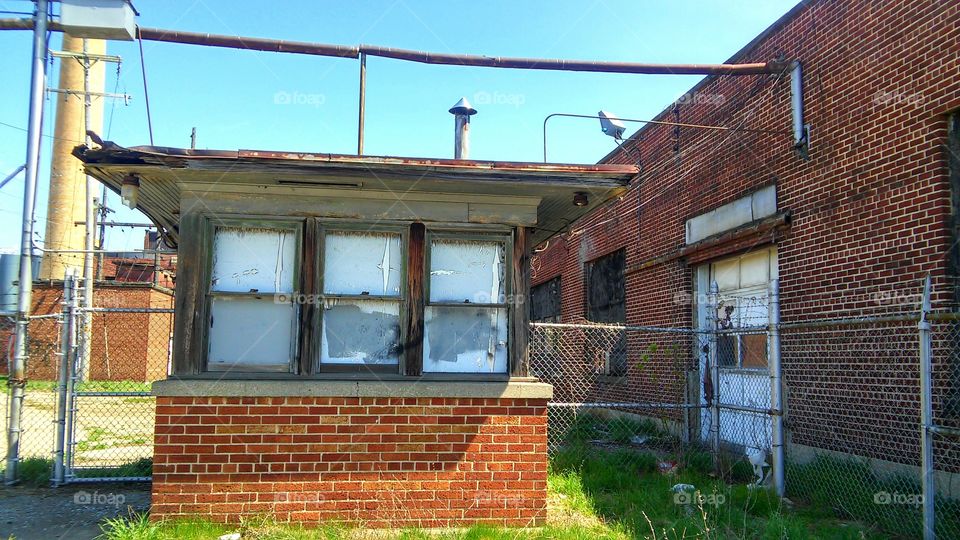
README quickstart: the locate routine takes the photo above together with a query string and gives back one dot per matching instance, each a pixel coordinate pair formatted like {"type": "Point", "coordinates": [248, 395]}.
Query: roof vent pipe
{"type": "Point", "coordinates": [462, 112]}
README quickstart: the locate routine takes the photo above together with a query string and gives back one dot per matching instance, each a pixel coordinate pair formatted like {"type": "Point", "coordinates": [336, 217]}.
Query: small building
{"type": "Point", "coordinates": [350, 335]}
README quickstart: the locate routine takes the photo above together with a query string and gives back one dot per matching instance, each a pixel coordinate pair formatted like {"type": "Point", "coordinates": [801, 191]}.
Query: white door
{"type": "Point", "coordinates": [741, 344]}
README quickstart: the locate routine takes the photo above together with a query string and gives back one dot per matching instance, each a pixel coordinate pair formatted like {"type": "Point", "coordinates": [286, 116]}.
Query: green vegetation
{"type": "Point", "coordinates": [617, 494]}
{"type": "Point", "coordinates": [36, 472]}
{"type": "Point", "coordinates": [848, 488]}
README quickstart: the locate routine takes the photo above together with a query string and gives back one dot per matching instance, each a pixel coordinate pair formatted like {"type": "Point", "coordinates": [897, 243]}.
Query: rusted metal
{"type": "Point", "coordinates": [550, 64]}
{"type": "Point", "coordinates": [426, 57]}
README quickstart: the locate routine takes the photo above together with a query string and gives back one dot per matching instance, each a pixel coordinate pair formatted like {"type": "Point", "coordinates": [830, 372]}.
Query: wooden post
{"type": "Point", "coordinates": [189, 298]}
{"type": "Point", "coordinates": [416, 252]}
{"type": "Point", "coordinates": [519, 310]}
{"type": "Point", "coordinates": [309, 312]}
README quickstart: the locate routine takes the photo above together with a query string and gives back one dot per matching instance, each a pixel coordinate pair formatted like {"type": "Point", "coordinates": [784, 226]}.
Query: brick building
{"type": "Point", "coordinates": [851, 231]}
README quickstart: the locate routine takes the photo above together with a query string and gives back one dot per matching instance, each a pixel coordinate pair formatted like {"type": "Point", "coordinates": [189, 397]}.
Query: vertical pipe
{"type": "Point", "coordinates": [66, 360]}
{"type": "Point", "coordinates": [776, 395]}
{"type": "Point", "coordinates": [800, 139]}
{"type": "Point", "coordinates": [17, 380]}
{"type": "Point", "coordinates": [461, 141]}
{"type": "Point", "coordinates": [89, 223]}
{"type": "Point", "coordinates": [715, 372]}
{"type": "Point", "coordinates": [362, 111]}
{"type": "Point", "coordinates": [926, 417]}
{"type": "Point", "coordinates": [71, 379]}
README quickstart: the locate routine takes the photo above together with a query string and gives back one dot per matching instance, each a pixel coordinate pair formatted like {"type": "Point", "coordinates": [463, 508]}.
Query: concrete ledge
{"type": "Point", "coordinates": [326, 388]}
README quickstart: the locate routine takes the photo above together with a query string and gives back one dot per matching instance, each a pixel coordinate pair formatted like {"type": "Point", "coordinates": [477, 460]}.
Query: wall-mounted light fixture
{"type": "Point", "coordinates": [580, 198]}
{"type": "Point", "coordinates": [130, 190]}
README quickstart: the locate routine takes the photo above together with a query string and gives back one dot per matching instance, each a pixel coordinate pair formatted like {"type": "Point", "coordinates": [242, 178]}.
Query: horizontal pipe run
{"type": "Point", "coordinates": [619, 327]}
{"type": "Point", "coordinates": [944, 430]}
{"type": "Point", "coordinates": [125, 310]}
{"type": "Point", "coordinates": [424, 57]}
{"type": "Point", "coordinates": [604, 405]}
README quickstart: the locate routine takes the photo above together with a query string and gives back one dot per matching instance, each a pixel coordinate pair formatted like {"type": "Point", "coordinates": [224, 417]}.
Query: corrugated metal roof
{"type": "Point", "coordinates": [162, 170]}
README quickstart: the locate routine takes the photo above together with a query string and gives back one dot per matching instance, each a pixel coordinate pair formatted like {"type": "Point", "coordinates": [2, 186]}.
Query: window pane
{"type": "Point", "coordinates": [362, 263]}
{"type": "Point", "coordinates": [465, 340]}
{"type": "Point", "coordinates": [254, 259]}
{"type": "Point", "coordinates": [754, 350]}
{"type": "Point", "coordinates": [361, 332]}
{"type": "Point", "coordinates": [545, 301]}
{"type": "Point", "coordinates": [726, 350]}
{"type": "Point", "coordinates": [606, 289]}
{"type": "Point", "coordinates": [250, 333]}
{"type": "Point", "coordinates": [467, 271]}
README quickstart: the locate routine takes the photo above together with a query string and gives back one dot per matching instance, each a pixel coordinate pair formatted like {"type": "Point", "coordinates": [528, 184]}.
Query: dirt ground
{"type": "Point", "coordinates": [70, 512]}
{"type": "Point", "coordinates": [111, 430]}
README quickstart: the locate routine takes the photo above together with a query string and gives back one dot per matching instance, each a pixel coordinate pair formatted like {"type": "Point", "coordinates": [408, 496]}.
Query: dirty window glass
{"type": "Point", "coordinates": [250, 332]}
{"type": "Point", "coordinates": [362, 263]}
{"type": "Point", "coordinates": [361, 332]}
{"type": "Point", "coordinates": [467, 271]}
{"type": "Point", "coordinates": [253, 260]}
{"type": "Point", "coordinates": [465, 340]}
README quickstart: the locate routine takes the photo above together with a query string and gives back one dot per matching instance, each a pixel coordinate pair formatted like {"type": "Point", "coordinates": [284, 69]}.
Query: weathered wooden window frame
{"type": "Point", "coordinates": [191, 330]}
{"type": "Point", "coordinates": [325, 227]}
{"type": "Point", "coordinates": [500, 235]}
{"type": "Point", "coordinates": [279, 224]}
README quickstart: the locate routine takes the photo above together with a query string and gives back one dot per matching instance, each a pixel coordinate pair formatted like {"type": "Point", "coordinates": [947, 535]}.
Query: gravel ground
{"type": "Point", "coordinates": [71, 512]}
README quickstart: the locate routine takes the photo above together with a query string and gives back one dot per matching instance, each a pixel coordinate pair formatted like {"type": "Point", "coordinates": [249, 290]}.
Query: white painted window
{"type": "Point", "coordinates": [465, 328]}
{"type": "Point", "coordinates": [252, 318]}
{"type": "Point", "coordinates": [743, 283]}
{"type": "Point", "coordinates": [362, 283]}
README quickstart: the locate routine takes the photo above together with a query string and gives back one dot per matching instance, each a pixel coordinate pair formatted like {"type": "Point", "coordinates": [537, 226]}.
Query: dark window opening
{"type": "Point", "coordinates": [606, 303]}
{"type": "Point", "coordinates": [545, 302]}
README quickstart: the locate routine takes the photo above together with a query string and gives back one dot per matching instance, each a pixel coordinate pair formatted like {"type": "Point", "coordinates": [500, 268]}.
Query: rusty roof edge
{"type": "Point", "coordinates": [111, 153]}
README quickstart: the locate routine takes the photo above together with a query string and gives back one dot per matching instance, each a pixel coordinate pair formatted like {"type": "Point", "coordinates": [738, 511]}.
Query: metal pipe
{"type": "Point", "coordinates": [425, 57]}
{"type": "Point", "coordinates": [801, 141]}
{"type": "Point", "coordinates": [67, 341]}
{"type": "Point", "coordinates": [618, 327]}
{"type": "Point", "coordinates": [926, 417]}
{"type": "Point", "coordinates": [362, 111]}
{"type": "Point", "coordinates": [12, 175]}
{"type": "Point", "coordinates": [550, 64]}
{"type": "Point", "coordinates": [713, 359]}
{"type": "Point", "coordinates": [776, 390]}
{"type": "Point", "coordinates": [89, 223]}
{"type": "Point", "coordinates": [17, 380]}
{"type": "Point", "coordinates": [461, 137]}
{"type": "Point", "coordinates": [594, 405]}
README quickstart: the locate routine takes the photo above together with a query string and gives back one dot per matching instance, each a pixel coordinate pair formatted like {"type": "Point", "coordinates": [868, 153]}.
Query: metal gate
{"type": "Point", "coordinates": [105, 412]}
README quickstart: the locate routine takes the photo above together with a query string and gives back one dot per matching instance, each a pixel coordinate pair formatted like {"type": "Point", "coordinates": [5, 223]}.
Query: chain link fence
{"type": "Point", "coordinates": [615, 388]}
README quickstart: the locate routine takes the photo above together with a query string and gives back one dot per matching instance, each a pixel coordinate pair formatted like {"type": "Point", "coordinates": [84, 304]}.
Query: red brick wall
{"type": "Point", "coordinates": [870, 208]}
{"type": "Point", "coordinates": [378, 462]}
{"type": "Point", "coordinates": [125, 346]}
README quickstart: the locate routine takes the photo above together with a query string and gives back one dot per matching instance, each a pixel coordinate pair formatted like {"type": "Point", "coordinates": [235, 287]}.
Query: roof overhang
{"type": "Point", "coordinates": [163, 172]}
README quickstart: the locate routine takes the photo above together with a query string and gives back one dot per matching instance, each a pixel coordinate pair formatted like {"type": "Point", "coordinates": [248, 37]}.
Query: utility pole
{"type": "Point", "coordinates": [17, 380]}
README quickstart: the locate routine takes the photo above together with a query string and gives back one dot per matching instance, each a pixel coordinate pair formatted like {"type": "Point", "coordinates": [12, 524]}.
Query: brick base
{"type": "Point", "coordinates": [373, 462]}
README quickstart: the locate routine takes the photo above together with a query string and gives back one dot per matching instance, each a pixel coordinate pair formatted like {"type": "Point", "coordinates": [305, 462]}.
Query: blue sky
{"type": "Point", "coordinates": [238, 99]}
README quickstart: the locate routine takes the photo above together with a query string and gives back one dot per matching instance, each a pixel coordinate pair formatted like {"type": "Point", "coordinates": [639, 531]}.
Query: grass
{"type": "Point", "coordinates": [86, 386]}
{"type": "Point", "coordinates": [36, 472]}
{"type": "Point", "coordinates": [605, 494]}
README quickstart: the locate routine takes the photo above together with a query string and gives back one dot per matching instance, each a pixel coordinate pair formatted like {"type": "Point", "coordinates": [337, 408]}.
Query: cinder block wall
{"type": "Point", "coordinates": [375, 462]}
{"type": "Point", "coordinates": [871, 209]}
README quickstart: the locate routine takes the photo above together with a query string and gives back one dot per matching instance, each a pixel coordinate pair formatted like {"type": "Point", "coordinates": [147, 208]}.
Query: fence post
{"type": "Point", "coordinates": [712, 359]}
{"type": "Point", "coordinates": [926, 417]}
{"type": "Point", "coordinates": [776, 393]}
{"type": "Point", "coordinates": [66, 361]}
